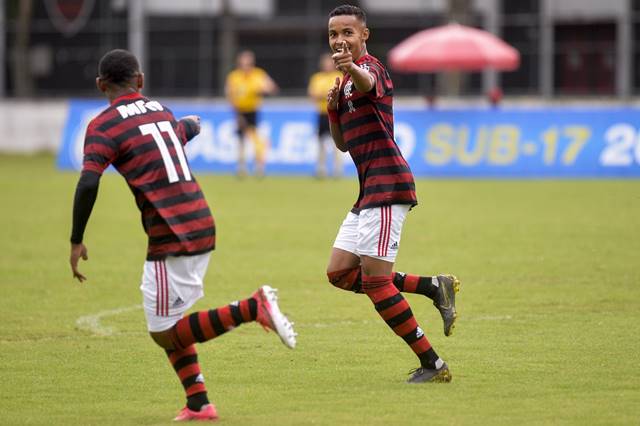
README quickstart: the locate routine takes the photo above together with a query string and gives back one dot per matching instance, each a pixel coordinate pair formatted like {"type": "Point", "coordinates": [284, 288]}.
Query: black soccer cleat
{"type": "Point", "coordinates": [445, 301]}
{"type": "Point", "coordinates": [424, 375]}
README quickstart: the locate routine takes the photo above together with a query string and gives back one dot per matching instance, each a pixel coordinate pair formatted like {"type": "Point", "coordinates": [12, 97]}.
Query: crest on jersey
{"type": "Point", "coordinates": [69, 16]}
{"type": "Point", "coordinates": [347, 89]}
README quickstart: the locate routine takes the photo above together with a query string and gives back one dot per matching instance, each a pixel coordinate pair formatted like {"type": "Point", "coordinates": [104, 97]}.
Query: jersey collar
{"type": "Point", "coordinates": [127, 96]}
{"type": "Point", "coordinates": [362, 58]}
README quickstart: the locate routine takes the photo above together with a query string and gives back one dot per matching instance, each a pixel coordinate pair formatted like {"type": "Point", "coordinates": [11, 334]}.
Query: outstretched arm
{"type": "Point", "coordinates": [362, 79]}
{"type": "Point", "coordinates": [191, 126]}
{"type": "Point", "coordinates": [85, 198]}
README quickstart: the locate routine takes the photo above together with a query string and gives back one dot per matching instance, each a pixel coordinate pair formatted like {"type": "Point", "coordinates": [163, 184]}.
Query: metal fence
{"type": "Point", "coordinates": [51, 47]}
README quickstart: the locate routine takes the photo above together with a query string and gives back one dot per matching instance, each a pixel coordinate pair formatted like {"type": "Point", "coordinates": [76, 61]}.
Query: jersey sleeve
{"type": "Point", "coordinates": [186, 130]}
{"type": "Point", "coordinates": [382, 82]}
{"type": "Point", "coordinates": [99, 151]}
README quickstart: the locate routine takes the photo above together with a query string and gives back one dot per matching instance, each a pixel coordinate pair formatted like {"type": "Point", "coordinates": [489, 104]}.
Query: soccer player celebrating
{"type": "Point", "coordinates": [360, 110]}
{"type": "Point", "coordinates": [144, 142]}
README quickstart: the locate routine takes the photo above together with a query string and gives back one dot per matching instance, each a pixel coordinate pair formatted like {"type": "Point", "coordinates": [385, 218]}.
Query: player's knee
{"type": "Point", "coordinates": [346, 279]}
{"type": "Point", "coordinates": [334, 277]}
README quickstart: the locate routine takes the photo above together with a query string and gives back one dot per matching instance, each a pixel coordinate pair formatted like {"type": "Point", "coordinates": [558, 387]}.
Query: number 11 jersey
{"type": "Point", "coordinates": [144, 142]}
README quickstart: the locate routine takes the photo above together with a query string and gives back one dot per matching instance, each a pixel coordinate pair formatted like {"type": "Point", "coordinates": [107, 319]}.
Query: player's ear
{"type": "Point", "coordinates": [365, 34]}
{"type": "Point", "coordinates": [101, 85]}
{"type": "Point", "coordinates": [140, 81]}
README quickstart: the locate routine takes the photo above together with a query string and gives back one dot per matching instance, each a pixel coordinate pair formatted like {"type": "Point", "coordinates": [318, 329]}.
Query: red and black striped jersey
{"type": "Point", "coordinates": [144, 142]}
{"type": "Point", "coordinates": [366, 121]}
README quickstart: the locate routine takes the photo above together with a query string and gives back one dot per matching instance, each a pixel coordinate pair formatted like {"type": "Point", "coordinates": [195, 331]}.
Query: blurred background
{"type": "Point", "coordinates": [568, 47]}
{"type": "Point", "coordinates": [572, 52]}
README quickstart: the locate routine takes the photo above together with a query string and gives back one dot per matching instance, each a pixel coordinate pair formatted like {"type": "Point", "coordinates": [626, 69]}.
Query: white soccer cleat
{"type": "Point", "coordinates": [270, 317]}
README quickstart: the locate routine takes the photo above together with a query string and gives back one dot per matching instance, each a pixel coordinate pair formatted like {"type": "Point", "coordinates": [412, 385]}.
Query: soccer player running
{"type": "Point", "coordinates": [319, 84]}
{"type": "Point", "coordinates": [144, 142]}
{"type": "Point", "coordinates": [245, 86]}
{"type": "Point", "coordinates": [360, 113]}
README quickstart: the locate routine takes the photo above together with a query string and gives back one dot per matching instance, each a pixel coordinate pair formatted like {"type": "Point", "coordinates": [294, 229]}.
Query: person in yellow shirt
{"type": "Point", "coordinates": [245, 87]}
{"type": "Point", "coordinates": [319, 85]}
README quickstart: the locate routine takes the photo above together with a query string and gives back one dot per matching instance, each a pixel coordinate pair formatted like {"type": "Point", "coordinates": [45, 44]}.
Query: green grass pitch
{"type": "Point", "coordinates": [549, 308]}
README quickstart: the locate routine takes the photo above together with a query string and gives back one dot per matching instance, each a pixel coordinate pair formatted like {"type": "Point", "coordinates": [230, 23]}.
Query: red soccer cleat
{"type": "Point", "coordinates": [207, 413]}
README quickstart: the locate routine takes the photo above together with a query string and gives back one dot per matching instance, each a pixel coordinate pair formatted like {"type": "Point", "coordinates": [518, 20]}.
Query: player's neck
{"type": "Point", "coordinates": [114, 94]}
{"type": "Point", "coordinates": [363, 52]}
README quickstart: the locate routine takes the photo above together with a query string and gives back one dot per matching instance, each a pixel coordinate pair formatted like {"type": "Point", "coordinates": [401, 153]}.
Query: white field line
{"type": "Point", "coordinates": [91, 323]}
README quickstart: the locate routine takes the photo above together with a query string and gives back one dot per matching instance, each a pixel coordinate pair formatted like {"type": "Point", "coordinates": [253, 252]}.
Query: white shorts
{"type": "Point", "coordinates": [374, 232]}
{"type": "Point", "coordinates": [170, 287]}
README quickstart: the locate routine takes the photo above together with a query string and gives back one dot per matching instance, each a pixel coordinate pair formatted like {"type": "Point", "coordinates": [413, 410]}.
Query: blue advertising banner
{"type": "Point", "coordinates": [508, 142]}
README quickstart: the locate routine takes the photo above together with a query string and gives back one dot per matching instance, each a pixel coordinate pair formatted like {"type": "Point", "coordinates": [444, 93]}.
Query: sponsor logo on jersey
{"type": "Point", "coordinates": [348, 89]}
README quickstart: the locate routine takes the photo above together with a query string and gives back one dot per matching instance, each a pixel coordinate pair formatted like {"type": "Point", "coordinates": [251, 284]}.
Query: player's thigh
{"type": "Point", "coordinates": [380, 231]}
{"type": "Point", "coordinates": [170, 287]}
{"type": "Point", "coordinates": [344, 254]}
{"type": "Point", "coordinates": [162, 338]}
{"type": "Point", "coordinates": [341, 260]}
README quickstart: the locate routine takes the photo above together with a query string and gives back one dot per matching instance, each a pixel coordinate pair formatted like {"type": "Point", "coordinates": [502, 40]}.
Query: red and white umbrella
{"type": "Point", "coordinates": [453, 47]}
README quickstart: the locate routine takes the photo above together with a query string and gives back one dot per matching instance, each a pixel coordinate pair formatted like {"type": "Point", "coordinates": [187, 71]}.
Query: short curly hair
{"type": "Point", "coordinates": [118, 67]}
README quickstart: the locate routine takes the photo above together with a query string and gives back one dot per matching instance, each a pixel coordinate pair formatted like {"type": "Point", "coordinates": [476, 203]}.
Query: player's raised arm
{"type": "Point", "coordinates": [85, 198]}
{"type": "Point", "coordinates": [362, 79]}
{"type": "Point", "coordinates": [334, 121]}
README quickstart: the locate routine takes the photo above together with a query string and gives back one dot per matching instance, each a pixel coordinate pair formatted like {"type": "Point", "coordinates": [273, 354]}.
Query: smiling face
{"type": "Point", "coordinates": [350, 30]}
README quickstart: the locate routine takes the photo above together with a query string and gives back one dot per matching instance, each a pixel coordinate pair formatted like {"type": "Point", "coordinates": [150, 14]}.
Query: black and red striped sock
{"type": "Point", "coordinates": [396, 312]}
{"type": "Point", "coordinates": [408, 283]}
{"type": "Point", "coordinates": [185, 363]}
{"type": "Point", "coordinates": [206, 325]}
{"type": "Point", "coordinates": [351, 280]}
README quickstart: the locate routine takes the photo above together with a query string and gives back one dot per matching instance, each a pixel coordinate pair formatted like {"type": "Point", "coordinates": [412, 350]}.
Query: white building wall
{"type": "Point", "coordinates": [28, 126]}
